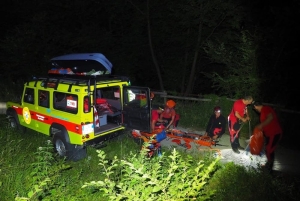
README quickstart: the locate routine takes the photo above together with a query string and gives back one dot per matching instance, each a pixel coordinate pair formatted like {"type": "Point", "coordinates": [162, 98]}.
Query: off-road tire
{"type": "Point", "coordinates": [67, 150]}
{"type": "Point", "coordinates": [14, 123]}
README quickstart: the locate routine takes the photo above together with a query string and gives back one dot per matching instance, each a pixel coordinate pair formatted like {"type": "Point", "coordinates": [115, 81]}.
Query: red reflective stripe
{"type": "Point", "coordinates": [50, 120]}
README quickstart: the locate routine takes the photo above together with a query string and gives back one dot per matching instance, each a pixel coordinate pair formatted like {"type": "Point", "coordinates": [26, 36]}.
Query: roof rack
{"type": "Point", "coordinates": [97, 78]}
{"type": "Point", "coordinates": [53, 80]}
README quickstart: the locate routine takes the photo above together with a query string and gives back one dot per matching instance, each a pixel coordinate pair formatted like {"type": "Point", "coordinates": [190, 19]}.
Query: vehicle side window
{"type": "Point", "coordinates": [65, 102]}
{"type": "Point", "coordinates": [135, 98]}
{"type": "Point", "coordinates": [108, 92]}
{"type": "Point", "coordinates": [29, 96]}
{"type": "Point", "coordinates": [44, 98]}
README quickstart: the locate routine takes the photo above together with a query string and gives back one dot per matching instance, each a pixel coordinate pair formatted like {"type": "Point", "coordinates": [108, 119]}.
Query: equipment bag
{"type": "Point", "coordinates": [256, 142]}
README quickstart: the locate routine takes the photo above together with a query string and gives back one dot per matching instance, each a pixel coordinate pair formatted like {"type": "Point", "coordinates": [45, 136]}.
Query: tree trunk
{"type": "Point", "coordinates": [184, 70]}
{"type": "Point", "coordinates": [152, 51]}
{"type": "Point", "coordinates": [189, 87]}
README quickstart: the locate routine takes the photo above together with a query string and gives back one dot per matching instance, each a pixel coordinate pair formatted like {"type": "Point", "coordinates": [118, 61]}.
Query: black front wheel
{"type": "Point", "coordinates": [14, 123]}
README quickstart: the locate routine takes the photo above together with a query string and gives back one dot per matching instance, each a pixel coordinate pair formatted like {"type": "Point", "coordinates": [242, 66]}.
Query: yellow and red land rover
{"type": "Point", "coordinates": [79, 103]}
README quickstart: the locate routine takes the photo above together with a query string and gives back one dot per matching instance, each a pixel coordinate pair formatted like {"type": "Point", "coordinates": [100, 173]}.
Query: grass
{"type": "Point", "coordinates": [20, 156]}
{"type": "Point", "coordinates": [16, 158]}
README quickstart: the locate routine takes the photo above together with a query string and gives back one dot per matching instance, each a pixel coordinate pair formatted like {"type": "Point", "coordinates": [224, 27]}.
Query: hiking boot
{"type": "Point", "coordinates": [236, 151]}
{"type": "Point", "coordinates": [268, 166]}
{"type": "Point", "coordinates": [241, 148]}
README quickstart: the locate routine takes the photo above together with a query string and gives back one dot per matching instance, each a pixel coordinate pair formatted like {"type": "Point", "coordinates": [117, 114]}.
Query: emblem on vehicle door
{"type": "Point", "coordinates": [26, 115]}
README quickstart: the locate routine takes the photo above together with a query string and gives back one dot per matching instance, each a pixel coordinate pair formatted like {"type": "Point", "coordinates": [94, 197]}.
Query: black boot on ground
{"type": "Point", "coordinates": [236, 151]}
{"type": "Point", "coordinates": [241, 148]}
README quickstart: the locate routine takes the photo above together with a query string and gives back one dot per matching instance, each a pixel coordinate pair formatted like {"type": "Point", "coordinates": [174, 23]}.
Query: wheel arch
{"type": "Point", "coordinates": [60, 130]}
{"type": "Point", "coordinates": [10, 112]}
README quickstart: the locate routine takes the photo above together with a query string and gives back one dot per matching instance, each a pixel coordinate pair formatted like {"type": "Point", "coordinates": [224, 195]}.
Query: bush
{"type": "Point", "coordinates": [45, 172]}
{"type": "Point", "coordinates": [160, 178]}
{"type": "Point", "coordinates": [234, 182]}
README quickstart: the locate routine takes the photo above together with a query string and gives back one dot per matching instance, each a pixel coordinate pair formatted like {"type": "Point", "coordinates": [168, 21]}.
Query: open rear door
{"type": "Point", "coordinates": [137, 108]}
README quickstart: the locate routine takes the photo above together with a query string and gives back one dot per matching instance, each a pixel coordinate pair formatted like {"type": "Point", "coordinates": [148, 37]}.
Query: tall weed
{"type": "Point", "coordinates": [163, 178]}
{"type": "Point", "coordinates": [233, 182]}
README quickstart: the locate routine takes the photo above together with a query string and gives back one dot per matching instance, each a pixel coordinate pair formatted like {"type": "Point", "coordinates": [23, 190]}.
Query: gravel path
{"type": "Point", "coordinates": [286, 160]}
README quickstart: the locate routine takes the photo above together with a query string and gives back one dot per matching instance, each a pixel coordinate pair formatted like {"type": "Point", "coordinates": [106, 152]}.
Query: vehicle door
{"type": "Point", "coordinates": [137, 108]}
{"type": "Point", "coordinates": [28, 113]}
{"type": "Point", "coordinates": [43, 119]}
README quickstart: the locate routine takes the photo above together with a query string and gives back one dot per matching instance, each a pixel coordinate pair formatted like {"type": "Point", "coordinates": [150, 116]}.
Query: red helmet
{"type": "Point", "coordinates": [217, 109]}
{"type": "Point", "coordinates": [170, 103]}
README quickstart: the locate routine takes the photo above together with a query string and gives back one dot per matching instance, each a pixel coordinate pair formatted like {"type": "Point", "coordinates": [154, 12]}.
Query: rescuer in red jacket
{"type": "Point", "coordinates": [169, 114]}
{"type": "Point", "coordinates": [155, 113]}
{"type": "Point", "coordinates": [237, 116]}
{"type": "Point", "coordinates": [272, 131]}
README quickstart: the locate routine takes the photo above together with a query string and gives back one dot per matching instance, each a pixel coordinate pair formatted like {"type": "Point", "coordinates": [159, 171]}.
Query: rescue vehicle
{"type": "Point", "coordinates": [79, 103]}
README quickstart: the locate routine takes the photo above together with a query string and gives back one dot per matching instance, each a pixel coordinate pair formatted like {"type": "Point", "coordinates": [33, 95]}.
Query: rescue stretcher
{"type": "Point", "coordinates": [176, 136]}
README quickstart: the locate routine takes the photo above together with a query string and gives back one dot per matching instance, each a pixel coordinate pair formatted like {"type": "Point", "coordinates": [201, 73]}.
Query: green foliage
{"type": "Point", "coordinates": [234, 182]}
{"type": "Point", "coordinates": [12, 165]}
{"type": "Point", "coordinates": [162, 178]}
{"type": "Point", "coordinates": [13, 92]}
{"type": "Point", "coordinates": [241, 76]}
{"type": "Point", "coordinates": [118, 29]}
{"type": "Point", "coordinates": [195, 114]}
{"type": "Point", "coordinates": [44, 173]}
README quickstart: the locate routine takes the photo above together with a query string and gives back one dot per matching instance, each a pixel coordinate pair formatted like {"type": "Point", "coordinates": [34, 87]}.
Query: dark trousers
{"type": "Point", "coordinates": [175, 123]}
{"type": "Point", "coordinates": [234, 134]}
{"type": "Point", "coordinates": [270, 146]}
{"type": "Point", "coordinates": [211, 135]}
{"type": "Point", "coordinates": [165, 124]}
